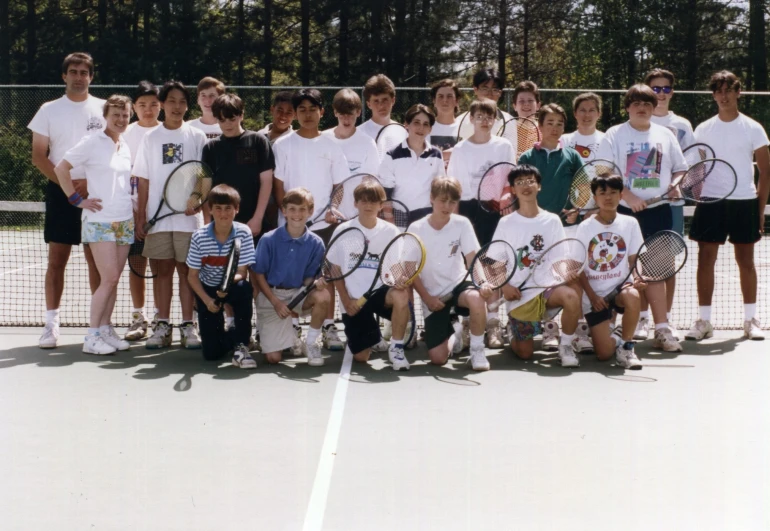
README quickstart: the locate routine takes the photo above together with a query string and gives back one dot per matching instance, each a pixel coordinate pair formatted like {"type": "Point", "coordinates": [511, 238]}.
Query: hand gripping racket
{"type": "Point", "coordinates": [186, 188]}
{"type": "Point", "coordinates": [231, 267]}
{"type": "Point", "coordinates": [579, 198]}
{"type": "Point", "coordinates": [341, 202]}
{"type": "Point", "coordinates": [492, 266]}
{"type": "Point", "coordinates": [389, 137]}
{"type": "Point", "coordinates": [522, 133]}
{"type": "Point", "coordinates": [494, 192]}
{"type": "Point", "coordinates": [400, 263]}
{"type": "Point", "coordinates": [707, 181]}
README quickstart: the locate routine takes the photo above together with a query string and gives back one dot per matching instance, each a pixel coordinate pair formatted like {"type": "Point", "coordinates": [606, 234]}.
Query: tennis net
{"type": "Point", "coordinates": [24, 257]}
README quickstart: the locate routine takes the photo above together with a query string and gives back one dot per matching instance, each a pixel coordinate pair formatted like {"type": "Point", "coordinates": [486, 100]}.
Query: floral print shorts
{"type": "Point", "coordinates": [120, 232]}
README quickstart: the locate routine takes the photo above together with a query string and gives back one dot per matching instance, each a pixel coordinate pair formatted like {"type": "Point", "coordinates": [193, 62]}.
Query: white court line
{"type": "Point", "coordinates": [41, 264]}
{"type": "Point", "coordinates": [316, 507]}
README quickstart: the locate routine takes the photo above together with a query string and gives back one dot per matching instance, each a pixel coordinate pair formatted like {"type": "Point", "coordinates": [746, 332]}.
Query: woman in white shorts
{"type": "Point", "coordinates": [108, 221]}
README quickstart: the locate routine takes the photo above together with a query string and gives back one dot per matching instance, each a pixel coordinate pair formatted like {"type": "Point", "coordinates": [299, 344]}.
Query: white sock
{"type": "Point", "coordinates": [229, 321]}
{"type": "Point", "coordinates": [154, 312]}
{"type": "Point", "coordinates": [658, 326]}
{"type": "Point", "coordinates": [668, 316]}
{"type": "Point", "coordinates": [312, 335]}
{"type": "Point", "coordinates": [139, 310]}
{"type": "Point", "coordinates": [749, 311]}
{"type": "Point", "coordinates": [566, 339]}
{"type": "Point", "coordinates": [492, 315]}
{"type": "Point", "coordinates": [52, 316]}
{"type": "Point", "coordinates": [328, 322]}
{"type": "Point", "coordinates": [104, 330]}
{"type": "Point", "coordinates": [295, 321]}
{"type": "Point", "coordinates": [705, 313]}
{"type": "Point", "coordinates": [93, 331]}
{"type": "Point", "coordinates": [397, 342]}
{"type": "Point", "coordinates": [644, 315]}
{"type": "Point", "coordinates": [477, 341]}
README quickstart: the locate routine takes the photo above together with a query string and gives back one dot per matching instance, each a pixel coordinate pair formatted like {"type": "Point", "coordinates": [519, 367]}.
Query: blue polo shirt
{"type": "Point", "coordinates": [287, 261]}
{"type": "Point", "coordinates": [210, 256]}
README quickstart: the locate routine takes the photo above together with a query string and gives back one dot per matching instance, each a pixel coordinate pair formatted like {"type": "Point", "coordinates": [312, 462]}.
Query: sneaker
{"type": "Point", "coordinates": [138, 328]}
{"type": "Point", "coordinates": [331, 338]}
{"type": "Point", "coordinates": [161, 336]}
{"type": "Point", "coordinates": [627, 358]}
{"type": "Point", "coordinates": [314, 357]}
{"type": "Point", "coordinates": [752, 330]}
{"type": "Point", "coordinates": [664, 339]}
{"type": "Point", "coordinates": [382, 346]}
{"type": "Point", "coordinates": [113, 339]}
{"type": "Point", "coordinates": [568, 357]}
{"type": "Point", "coordinates": [466, 334]}
{"type": "Point", "coordinates": [242, 358]}
{"type": "Point", "coordinates": [494, 339]}
{"type": "Point", "coordinates": [582, 342]}
{"type": "Point", "coordinates": [397, 358]}
{"type": "Point", "coordinates": [229, 323]}
{"type": "Point", "coordinates": [642, 332]}
{"type": "Point", "coordinates": [50, 336]}
{"type": "Point", "coordinates": [254, 343]}
{"type": "Point", "coordinates": [299, 348]}
{"type": "Point", "coordinates": [190, 337]}
{"type": "Point", "coordinates": [700, 329]}
{"type": "Point", "coordinates": [550, 336]}
{"type": "Point", "coordinates": [95, 344]}
{"type": "Point", "coordinates": [387, 330]}
{"type": "Point", "coordinates": [479, 360]}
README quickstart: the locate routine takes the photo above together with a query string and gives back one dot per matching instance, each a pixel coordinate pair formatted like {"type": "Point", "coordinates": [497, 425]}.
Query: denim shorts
{"type": "Point", "coordinates": [120, 232]}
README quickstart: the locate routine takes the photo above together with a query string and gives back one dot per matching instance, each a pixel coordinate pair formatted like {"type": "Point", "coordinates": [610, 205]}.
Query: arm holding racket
{"type": "Point", "coordinates": [195, 284]}
{"type": "Point", "coordinates": [280, 307]}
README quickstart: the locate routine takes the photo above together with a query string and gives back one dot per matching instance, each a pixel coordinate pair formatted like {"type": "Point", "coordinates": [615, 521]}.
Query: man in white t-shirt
{"type": "Point", "coordinates": [380, 96]}
{"type": "Point", "coordinates": [314, 161]}
{"type": "Point", "coordinates": [359, 148]}
{"type": "Point", "coordinates": [587, 109]}
{"type": "Point", "coordinates": [737, 139]}
{"type": "Point", "coordinates": [209, 89]}
{"type": "Point", "coordinates": [168, 241]}
{"type": "Point", "coordinates": [650, 159]}
{"type": "Point", "coordinates": [445, 96]}
{"type": "Point", "coordinates": [487, 85]}
{"type": "Point", "coordinates": [56, 127]}
{"type": "Point", "coordinates": [450, 245]}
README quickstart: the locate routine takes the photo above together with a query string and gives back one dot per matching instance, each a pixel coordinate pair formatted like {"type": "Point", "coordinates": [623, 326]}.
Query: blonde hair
{"type": "Point", "coordinates": [118, 101]}
{"type": "Point", "coordinates": [446, 186]}
{"type": "Point", "coordinates": [298, 196]}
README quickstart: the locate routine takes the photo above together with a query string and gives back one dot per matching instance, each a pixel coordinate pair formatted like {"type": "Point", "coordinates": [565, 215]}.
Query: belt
{"type": "Point", "coordinates": [279, 287]}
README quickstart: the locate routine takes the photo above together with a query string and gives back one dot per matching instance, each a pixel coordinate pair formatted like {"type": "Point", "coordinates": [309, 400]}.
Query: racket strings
{"type": "Point", "coordinates": [389, 137]}
{"type": "Point", "coordinates": [560, 264]}
{"type": "Point", "coordinates": [402, 261]}
{"type": "Point", "coordinates": [494, 190]}
{"type": "Point", "coordinates": [188, 187]}
{"type": "Point", "coordinates": [527, 135]}
{"type": "Point", "coordinates": [697, 182]}
{"type": "Point", "coordinates": [494, 265]}
{"type": "Point", "coordinates": [347, 249]}
{"type": "Point", "coordinates": [662, 256]}
{"type": "Point", "coordinates": [395, 213]}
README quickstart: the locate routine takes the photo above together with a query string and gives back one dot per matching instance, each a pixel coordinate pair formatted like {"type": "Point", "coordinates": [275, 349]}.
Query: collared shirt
{"type": "Point", "coordinates": [285, 261]}
{"type": "Point", "coordinates": [209, 256]}
{"type": "Point", "coordinates": [557, 169]}
{"type": "Point", "coordinates": [266, 131]}
{"type": "Point", "coordinates": [410, 175]}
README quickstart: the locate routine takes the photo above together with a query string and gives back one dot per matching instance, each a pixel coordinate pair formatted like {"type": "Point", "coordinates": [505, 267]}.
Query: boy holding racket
{"type": "Point", "coordinates": [448, 238]}
{"type": "Point", "coordinates": [361, 327]}
{"type": "Point", "coordinates": [209, 89]}
{"type": "Point", "coordinates": [287, 259]}
{"type": "Point", "coordinates": [587, 109]}
{"type": "Point", "coordinates": [380, 96]}
{"type": "Point", "coordinates": [359, 148]}
{"type": "Point", "coordinates": [207, 259]}
{"type": "Point", "coordinates": [283, 115]}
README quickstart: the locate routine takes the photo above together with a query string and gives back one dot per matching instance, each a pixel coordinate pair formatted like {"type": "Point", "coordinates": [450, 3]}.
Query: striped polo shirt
{"type": "Point", "coordinates": [210, 257]}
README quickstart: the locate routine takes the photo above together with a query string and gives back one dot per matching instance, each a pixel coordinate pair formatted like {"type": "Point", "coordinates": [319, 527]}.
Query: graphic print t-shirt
{"type": "Point", "coordinates": [680, 127]}
{"type": "Point", "coordinates": [444, 136]}
{"type": "Point", "coordinates": [210, 130]}
{"type": "Point", "coordinates": [586, 145]}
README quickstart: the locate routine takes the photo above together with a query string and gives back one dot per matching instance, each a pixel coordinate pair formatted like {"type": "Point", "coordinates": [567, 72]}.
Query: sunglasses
{"type": "Point", "coordinates": [664, 90]}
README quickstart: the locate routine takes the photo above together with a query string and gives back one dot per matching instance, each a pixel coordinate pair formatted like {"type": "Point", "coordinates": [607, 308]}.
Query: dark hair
{"type": "Point", "coordinates": [283, 96]}
{"type": "Point", "coordinates": [524, 170]}
{"type": "Point", "coordinates": [724, 78]}
{"type": "Point", "coordinates": [444, 83]}
{"type": "Point", "coordinates": [145, 88]}
{"type": "Point", "coordinates": [371, 191]}
{"type": "Point", "coordinates": [170, 85]}
{"type": "Point", "coordinates": [379, 84]}
{"type": "Point", "coordinates": [587, 96]}
{"type": "Point", "coordinates": [603, 182]}
{"type": "Point", "coordinates": [656, 73]}
{"type": "Point", "coordinates": [639, 92]}
{"type": "Point", "coordinates": [487, 74]}
{"type": "Point", "coordinates": [223, 194]}
{"type": "Point", "coordinates": [307, 94]}
{"type": "Point", "coordinates": [419, 108]}
{"type": "Point", "coordinates": [346, 101]}
{"type": "Point", "coordinates": [551, 108]}
{"type": "Point", "coordinates": [227, 106]}
{"type": "Point", "coordinates": [526, 86]}
{"type": "Point", "coordinates": [78, 58]}
{"type": "Point", "coordinates": [118, 101]}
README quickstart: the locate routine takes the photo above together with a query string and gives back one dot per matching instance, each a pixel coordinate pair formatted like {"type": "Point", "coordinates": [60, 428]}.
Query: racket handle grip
{"type": "Point", "coordinates": [361, 301]}
{"type": "Point", "coordinates": [494, 305]}
{"type": "Point", "coordinates": [653, 200]}
{"type": "Point", "coordinates": [147, 226]}
{"type": "Point", "coordinates": [299, 297]}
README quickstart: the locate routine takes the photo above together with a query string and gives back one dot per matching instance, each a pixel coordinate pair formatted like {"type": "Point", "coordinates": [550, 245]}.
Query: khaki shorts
{"type": "Point", "coordinates": [166, 245]}
{"type": "Point", "coordinates": [276, 334]}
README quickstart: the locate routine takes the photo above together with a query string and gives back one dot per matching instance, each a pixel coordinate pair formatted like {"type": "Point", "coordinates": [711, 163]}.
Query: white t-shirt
{"type": "Point", "coordinates": [465, 125]}
{"type": "Point", "coordinates": [160, 152]}
{"type": "Point", "coordinates": [444, 136]}
{"type": "Point", "coordinates": [585, 145]}
{"type": "Point", "coordinates": [377, 239]}
{"type": "Point", "coordinates": [734, 142]}
{"type": "Point", "coordinates": [133, 137]}
{"type": "Point", "coordinates": [108, 174]}
{"type": "Point", "coordinates": [371, 128]}
{"type": "Point", "coordinates": [470, 161]}
{"type": "Point", "coordinates": [681, 127]}
{"type": "Point", "coordinates": [266, 131]}
{"type": "Point", "coordinates": [646, 158]}
{"type": "Point", "coordinates": [360, 152]}
{"type": "Point", "coordinates": [608, 247]}
{"type": "Point", "coordinates": [444, 249]}
{"type": "Point", "coordinates": [529, 237]}
{"type": "Point", "coordinates": [211, 131]}
{"type": "Point", "coordinates": [65, 122]}
{"type": "Point", "coordinates": [316, 164]}
{"type": "Point", "coordinates": [410, 175]}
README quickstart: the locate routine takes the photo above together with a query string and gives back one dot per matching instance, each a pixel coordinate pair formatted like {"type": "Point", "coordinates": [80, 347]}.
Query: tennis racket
{"type": "Point", "coordinates": [345, 253]}
{"type": "Point", "coordinates": [660, 257]}
{"type": "Point", "coordinates": [494, 191]}
{"type": "Point", "coordinates": [698, 152]}
{"type": "Point", "coordinates": [389, 137]}
{"type": "Point", "coordinates": [579, 198]}
{"type": "Point", "coordinates": [186, 188]}
{"type": "Point", "coordinates": [522, 133]}
{"type": "Point", "coordinates": [493, 266]}
{"type": "Point", "coordinates": [395, 212]}
{"type": "Point", "coordinates": [341, 202]}
{"type": "Point", "coordinates": [231, 267]}
{"type": "Point", "coordinates": [400, 263]}
{"type": "Point", "coordinates": [138, 263]}
{"type": "Point", "coordinates": [707, 181]}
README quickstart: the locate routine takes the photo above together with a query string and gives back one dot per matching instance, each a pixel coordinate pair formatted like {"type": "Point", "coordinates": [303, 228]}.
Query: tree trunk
{"type": "Point", "coordinates": [147, 34]}
{"type": "Point", "coordinates": [423, 44]}
{"type": "Point", "coordinates": [267, 49]}
{"type": "Point", "coordinates": [241, 41]}
{"type": "Point", "coordinates": [84, 22]}
{"type": "Point", "coordinates": [103, 46]}
{"type": "Point", "coordinates": [397, 63]}
{"type": "Point", "coordinates": [525, 53]}
{"type": "Point", "coordinates": [31, 39]}
{"type": "Point", "coordinates": [376, 35]}
{"type": "Point", "coordinates": [5, 43]}
{"type": "Point", "coordinates": [344, 42]}
{"type": "Point", "coordinates": [757, 50]}
{"type": "Point", "coordinates": [305, 38]}
{"type": "Point", "coordinates": [501, 37]}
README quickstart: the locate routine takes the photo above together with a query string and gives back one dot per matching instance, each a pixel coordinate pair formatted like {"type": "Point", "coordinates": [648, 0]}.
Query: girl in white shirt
{"type": "Point", "coordinates": [587, 108]}
{"type": "Point", "coordinates": [445, 95]}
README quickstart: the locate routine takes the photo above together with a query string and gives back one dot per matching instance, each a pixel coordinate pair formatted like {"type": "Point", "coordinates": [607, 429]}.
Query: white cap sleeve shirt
{"type": "Point", "coordinates": [210, 130]}
{"type": "Point", "coordinates": [680, 127]}
{"type": "Point", "coordinates": [133, 137]}
{"type": "Point", "coordinates": [470, 161]}
{"type": "Point", "coordinates": [360, 152]}
{"type": "Point", "coordinates": [586, 145]}
{"type": "Point", "coordinates": [410, 175]}
{"type": "Point", "coordinates": [735, 142]}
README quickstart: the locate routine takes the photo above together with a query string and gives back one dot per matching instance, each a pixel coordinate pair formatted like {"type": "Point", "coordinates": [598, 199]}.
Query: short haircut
{"type": "Point", "coordinates": [307, 94]}
{"type": "Point", "coordinates": [419, 108]}
{"type": "Point", "coordinates": [488, 74]}
{"type": "Point", "coordinates": [78, 58]}
{"type": "Point", "coordinates": [377, 85]}
{"type": "Point", "coordinates": [227, 106]}
{"type": "Point", "coordinates": [170, 85]}
{"type": "Point", "coordinates": [284, 96]}
{"type": "Point", "coordinates": [487, 107]}
{"type": "Point", "coordinates": [446, 186]}
{"type": "Point", "coordinates": [371, 191]}
{"type": "Point", "coordinates": [551, 108]}
{"type": "Point", "coordinates": [587, 96]}
{"type": "Point", "coordinates": [145, 88]}
{"type": "Point", "coordinates": [524, 170]}
{"type": "Point", "coordinates": [444, 83]}
{"type": "Point", "coordinates": [116, 100]}
{"type": "Point", "coordinates": [639, 92]}
{"type": "Point", "coordinates": [346, 101]}
{"type": "Point", "coordinates": [211, 82]}
{"type": "Point", "coordinates": [603, 182]}
{"type": "Point", "coordinates": [298, 196]}
{"type": "Point", "coordinates": [526, 86]}
{"type": "Point", "coordinates": [724, 78]}
{"type": "Point", "coordinates": [223, 194]}
{"type": "Point", "coordinates": [656, 73]}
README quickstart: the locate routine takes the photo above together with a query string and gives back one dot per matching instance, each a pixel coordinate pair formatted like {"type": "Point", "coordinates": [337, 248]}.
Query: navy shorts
{"type": "Point", "coordinates": [651, 220]}
{"type": "Point", "coordinates": [62, 220]}
{"type": "Point", "coordinates": [362, 329]}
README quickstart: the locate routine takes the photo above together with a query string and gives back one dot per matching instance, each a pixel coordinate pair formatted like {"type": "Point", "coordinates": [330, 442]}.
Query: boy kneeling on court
{"type": "Point", "coordinates": [206, 260]}
{"type": "Point", "coordinates": [442, 285]}
{"type": "Point", "coordinates": [288, 259]}
{"type": "Point", "coordinates": [610, 238]}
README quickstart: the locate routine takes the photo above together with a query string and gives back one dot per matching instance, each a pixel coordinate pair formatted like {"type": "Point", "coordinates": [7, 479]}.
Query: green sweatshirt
{"type": "Point", "coordinates": [557, 169]}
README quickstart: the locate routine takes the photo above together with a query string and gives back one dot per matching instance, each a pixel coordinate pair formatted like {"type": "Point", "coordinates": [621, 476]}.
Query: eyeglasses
{"type": "Point", "coordinates": [525, 182]}
{"type": "Point", "coordinates": [664, 90]}
{"type": "Point", "coordinates": [490, 91]}
{"type": "Point", "coordinates": [484, 119]}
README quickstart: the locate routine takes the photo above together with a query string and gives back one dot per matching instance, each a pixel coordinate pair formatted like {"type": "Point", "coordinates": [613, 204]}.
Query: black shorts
{"type": "Point", "coordinates": [326, 234]}
{"type": "Point", "coordinates": [438, 325]}
{"type": "Point", "coordinates": [651, 220]}
{"type": "Point", "coordinates": [363, 330]}
{"type": "Point", "coordinates": [62, 220]}
{"type": "Point", "coordinates": [596, 318]}
{"type": "Point", "coordinates": [419, 213]}
{"type": "Point", "coordinates": [737, 219]}
{"type": "Point", "coordinates": [484, 223]}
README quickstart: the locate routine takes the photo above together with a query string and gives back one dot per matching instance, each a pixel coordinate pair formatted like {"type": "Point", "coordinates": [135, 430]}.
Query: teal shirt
{"type": "Point", "coordinates": [557, 169]}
